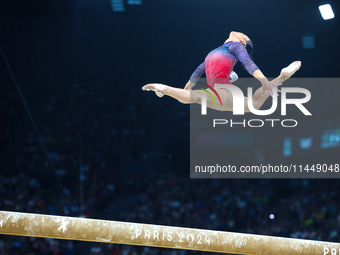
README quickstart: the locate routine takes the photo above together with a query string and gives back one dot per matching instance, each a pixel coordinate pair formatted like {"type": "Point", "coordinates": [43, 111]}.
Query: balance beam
{"type": "Point", "coordinates": [82, 229]}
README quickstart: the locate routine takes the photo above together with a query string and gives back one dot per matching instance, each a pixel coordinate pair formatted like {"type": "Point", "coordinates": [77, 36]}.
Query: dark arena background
{"type": "Point", "coordinates": [79, 137]}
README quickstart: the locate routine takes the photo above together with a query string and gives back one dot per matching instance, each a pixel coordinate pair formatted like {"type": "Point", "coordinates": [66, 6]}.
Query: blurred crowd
{"type": "Point", "coordinates": [22, 193]}
{"type": "Point", "coordinates": [306, 209]}
{"type": "Point", "coordinates": [87, 124]}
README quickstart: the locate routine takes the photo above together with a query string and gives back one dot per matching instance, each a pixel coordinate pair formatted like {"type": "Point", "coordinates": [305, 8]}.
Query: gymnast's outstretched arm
{"type": "Point", "coordinates": [195, 76]}
{"type": "Point", "coordinates": [261, 96]}
{"type": "Point", "coordinates": [189, 85]}
{"type": "Point", "coordinates": [241, 54]}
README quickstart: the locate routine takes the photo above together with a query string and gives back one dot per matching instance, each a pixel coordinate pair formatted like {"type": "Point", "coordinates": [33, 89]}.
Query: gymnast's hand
{"type": "Point", "coordinates": [267, 86]}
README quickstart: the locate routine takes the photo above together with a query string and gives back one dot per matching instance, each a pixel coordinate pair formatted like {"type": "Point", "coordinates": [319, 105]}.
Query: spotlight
{"type": "Point", "coordinates": [308, 42]}
{"type": "Point", "coordinates": [306, 142]}
{"type": "Point", "coordinates": [287, 147]}
{"type": "Point", "coordinates": [326, 11]}
{"type": "Point", "coordinates": [117, 5]}
{"type": "Point", "coordinates": [135, 2]}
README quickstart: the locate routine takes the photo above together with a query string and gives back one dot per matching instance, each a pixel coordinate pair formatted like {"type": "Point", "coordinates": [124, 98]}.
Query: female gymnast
{"type": "Point", "coordinates": [218, 66]}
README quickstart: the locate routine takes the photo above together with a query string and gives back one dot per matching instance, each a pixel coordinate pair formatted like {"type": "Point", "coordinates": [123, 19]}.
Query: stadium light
{"type": "Point", "coordinates": [326, 11]}
{"type": "Point", "coordinates": [135, 2]}
{"type": "Point", "coordinates": [306, 142]}
{"type": "Point", "coordinates": [117, 5]}
{"type": "Point", "coordinates": [308, 42]}
{"type": "Point", "coordinates": [287, 147]}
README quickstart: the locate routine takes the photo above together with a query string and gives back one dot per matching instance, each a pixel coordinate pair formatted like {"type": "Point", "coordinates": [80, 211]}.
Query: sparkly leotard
{"type": "Point", "coordinates": [220, 62]}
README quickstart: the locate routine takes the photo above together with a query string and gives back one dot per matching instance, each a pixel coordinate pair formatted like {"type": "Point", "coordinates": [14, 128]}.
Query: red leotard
{"type": "Point", "coordinates": [220, 62]}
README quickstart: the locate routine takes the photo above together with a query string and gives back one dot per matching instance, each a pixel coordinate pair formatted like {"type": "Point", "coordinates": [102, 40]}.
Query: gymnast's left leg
{"type": "Point", "coordinates": [186, 96]}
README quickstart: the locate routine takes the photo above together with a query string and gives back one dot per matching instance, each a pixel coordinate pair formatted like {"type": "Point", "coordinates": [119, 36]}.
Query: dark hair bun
{"type": "Point", "coordinates": [249, 48]}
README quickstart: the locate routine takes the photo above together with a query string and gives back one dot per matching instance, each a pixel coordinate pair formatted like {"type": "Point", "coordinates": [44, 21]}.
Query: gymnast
{"type": "Point", "coordinates": [218, 67]}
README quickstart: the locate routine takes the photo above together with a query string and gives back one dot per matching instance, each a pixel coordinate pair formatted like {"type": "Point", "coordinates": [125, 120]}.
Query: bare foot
{"type": "Point", "coordinates": [288, 71]}
{"type": "Point", "coordinates": [159, 89]}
